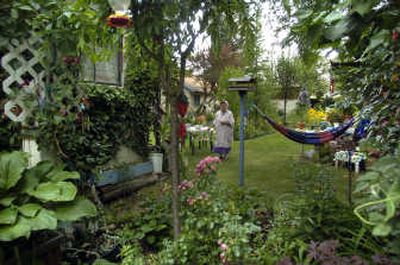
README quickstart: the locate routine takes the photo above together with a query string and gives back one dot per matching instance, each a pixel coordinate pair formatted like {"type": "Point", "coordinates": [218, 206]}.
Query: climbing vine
{"type": "Point", "coordinates": [86, 124]}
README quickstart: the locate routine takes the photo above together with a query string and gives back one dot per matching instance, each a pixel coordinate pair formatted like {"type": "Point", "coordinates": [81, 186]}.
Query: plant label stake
{"type": "Point", "coordinates": [242, 85]}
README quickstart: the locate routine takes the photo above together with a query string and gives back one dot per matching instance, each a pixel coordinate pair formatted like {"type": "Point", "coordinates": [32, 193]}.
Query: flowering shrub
{"type": "Point", "coordinates": [207, 165]}
{"type": "Point", "coordinates": [213, 229]}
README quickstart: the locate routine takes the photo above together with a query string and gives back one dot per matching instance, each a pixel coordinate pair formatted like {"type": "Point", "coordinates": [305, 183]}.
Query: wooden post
{"type": "Point", "coordinates": [242, 95]}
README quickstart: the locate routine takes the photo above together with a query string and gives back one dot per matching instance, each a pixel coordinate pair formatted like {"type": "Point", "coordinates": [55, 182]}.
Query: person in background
{"type": "Point", "coordinates": [223, 123]}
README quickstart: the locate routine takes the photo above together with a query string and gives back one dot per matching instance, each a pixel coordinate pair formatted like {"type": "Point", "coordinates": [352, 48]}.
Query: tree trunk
{"type": "Point", "coordinates": [173, 147]}
{"type": "Point", "coordinates": [157, 122]}
{"type": "Point", "coordinates": [174, 166]}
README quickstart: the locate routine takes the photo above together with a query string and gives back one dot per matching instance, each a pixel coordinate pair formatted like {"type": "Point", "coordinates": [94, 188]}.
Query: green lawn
{"type": "Point", "coordinates": [269, 164]}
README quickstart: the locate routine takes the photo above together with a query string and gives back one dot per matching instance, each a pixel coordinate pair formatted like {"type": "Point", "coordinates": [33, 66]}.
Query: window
{"type": "Point", "coordinates": [197, 100]}
{"type": "Point", "coordinates": [107, 72]}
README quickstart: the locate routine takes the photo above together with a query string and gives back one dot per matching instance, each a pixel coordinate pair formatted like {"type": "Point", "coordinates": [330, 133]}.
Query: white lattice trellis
{"type": "Point", "coordinates": [23, 65]}
{"type": "Point", "coordinates": [23, 61]}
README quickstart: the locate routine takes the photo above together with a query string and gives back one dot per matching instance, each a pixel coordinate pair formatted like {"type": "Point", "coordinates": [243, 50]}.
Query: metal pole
{"type": "Point", "coordinates": [242, 95]}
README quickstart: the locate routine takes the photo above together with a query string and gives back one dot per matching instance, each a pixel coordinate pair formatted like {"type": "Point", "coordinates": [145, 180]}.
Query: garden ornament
{"type": "Point", "coordinates": [303, 97]}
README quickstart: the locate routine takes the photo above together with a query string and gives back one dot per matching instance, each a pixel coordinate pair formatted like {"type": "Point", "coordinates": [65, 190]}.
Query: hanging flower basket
{"type": "Point", "coordinates": [182, 108]}
{"type": "Point", "coordinates": [119, 21]}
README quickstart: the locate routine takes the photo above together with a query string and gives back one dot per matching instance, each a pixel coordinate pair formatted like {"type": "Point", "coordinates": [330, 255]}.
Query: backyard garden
{"type": "Point", "coordinates": [140, 132]}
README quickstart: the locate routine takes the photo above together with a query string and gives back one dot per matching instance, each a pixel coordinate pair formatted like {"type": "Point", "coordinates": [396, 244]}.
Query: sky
{"type": "Point", "coordinates": [270, 38]}
{"type": "Point", "coordinates": [271, 41]}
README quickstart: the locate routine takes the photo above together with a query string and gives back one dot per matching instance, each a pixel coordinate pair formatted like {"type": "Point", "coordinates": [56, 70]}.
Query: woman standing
{"type": "Point", "coordinates": [223, 123]}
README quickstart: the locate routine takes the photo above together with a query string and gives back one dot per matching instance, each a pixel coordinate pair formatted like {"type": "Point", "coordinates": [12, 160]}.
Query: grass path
{"type": "Point", "coordinates": [269, 164]}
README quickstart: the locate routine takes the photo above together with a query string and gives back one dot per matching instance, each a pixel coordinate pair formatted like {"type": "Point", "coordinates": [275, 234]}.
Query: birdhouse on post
{"type": "Point", "coordinates": [242, 85]}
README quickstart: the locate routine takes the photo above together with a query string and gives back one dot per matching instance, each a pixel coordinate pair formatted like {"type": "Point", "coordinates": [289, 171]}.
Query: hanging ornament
{"type": "Point", "coordinates": [122, 15]}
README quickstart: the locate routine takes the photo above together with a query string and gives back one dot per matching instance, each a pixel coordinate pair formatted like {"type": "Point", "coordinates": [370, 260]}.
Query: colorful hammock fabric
{"type": "Point", "coordinates": [314, 138]}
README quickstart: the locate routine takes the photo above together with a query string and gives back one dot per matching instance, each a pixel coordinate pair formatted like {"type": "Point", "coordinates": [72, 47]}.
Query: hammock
{"type": "Point", "coordinates": [314, 138]}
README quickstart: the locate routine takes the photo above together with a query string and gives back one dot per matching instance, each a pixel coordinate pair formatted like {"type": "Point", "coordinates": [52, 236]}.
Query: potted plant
{"type": "Point", "coordinates": [156, 156]}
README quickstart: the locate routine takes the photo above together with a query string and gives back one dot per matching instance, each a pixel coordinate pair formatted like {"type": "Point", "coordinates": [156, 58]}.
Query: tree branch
{"type": "Point", "coordinates": [144, 46]}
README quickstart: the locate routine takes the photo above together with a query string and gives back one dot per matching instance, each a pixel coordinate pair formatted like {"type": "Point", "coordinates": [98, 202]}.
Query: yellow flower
{"type": "Point", "coordinates": [315, 116]}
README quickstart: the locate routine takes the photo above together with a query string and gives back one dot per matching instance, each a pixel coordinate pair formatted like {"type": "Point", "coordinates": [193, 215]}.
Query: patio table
{"type": "Point", "coordinates": [201, 134]}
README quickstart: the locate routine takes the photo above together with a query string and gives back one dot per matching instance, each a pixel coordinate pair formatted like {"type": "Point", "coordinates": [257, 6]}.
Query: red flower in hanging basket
{"type": "Point", "coordinates": [119, 21]}
{"type": "Point", "coordinates": [182, 108]}
{"type": "Point", "coordinates": [182, 131]}
{"type": "Point", "coordinates": [395, 36]}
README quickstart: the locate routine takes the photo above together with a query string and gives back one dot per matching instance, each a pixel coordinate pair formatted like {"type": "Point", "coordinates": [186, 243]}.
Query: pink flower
{"type": "Point", "coordinates": [185, 185]}
{"type": "Point", "coordinates": [204, 196]}
{"type": "Point", "coordinates": [191, 201]}
{"type": "Point", "coordinates": [217, 159]}
{"type": "Point", "coordinates": [206, 164]}
{"type": "Point", "coordinates": [223, 247]}
{"type": "Point", "coordinates": [223, 258]}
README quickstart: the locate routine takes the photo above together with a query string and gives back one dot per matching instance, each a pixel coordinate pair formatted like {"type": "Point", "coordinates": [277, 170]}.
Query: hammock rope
{"type": "Point", "coordinates": [314, 138]}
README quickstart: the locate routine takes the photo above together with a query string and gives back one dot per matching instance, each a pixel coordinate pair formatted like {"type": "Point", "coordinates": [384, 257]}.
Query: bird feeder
{"type": "Point", "coordinates": [242, 85]}
{"type": "Point", "coordinates": [122, 14]}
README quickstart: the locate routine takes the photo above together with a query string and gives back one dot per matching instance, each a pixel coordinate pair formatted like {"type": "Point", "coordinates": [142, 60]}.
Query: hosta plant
{"type": "Point", "coordinates": [37, 198]}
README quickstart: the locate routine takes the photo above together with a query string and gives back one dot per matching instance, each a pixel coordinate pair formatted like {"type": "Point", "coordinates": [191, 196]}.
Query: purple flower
{"type": "Point", "coordinates": [379, 259]}
{"type": "Point", "coordinates": [285, 261]}
{"type": "Point", "coordinates": [357, 260]}
{"type": "Point", "coordinates": [323, 251]}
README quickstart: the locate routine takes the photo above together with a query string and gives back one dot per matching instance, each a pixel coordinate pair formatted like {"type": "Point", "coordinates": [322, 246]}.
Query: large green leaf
{"type": "Point", "coordinates": [64, 175]}
{"type": "Point", "coordinates": [44, 220]}
{"type": "Point", "coordinates": [335, 15]}
{"type": "Point", "coordinates": [11, 232]}
{"type": "Point", "coordinates": [29, 183]}
{"type": "Point", "coordinates": [40, 170]}
{"type": "Point", "coordinates": [57, 192]}
{"type": "Point", "coordinates": [362, 7]}
{"type": "Point", "coordinates": [8, 216]}
{"type": "Point", "coordinates": [376, 40]}
{"type": "Point", "coordinates": [382, 229]}
{"type": "Point", "coordinates": [7, 201]}
{"type": "Point", "coordinates": [337, 30]}
{"type": "Point", "coordinates": [29, 209]}
{"type": "Point", "coordinates": [11, 167]}
{"type": "Point", "coordinates": [75, 210]}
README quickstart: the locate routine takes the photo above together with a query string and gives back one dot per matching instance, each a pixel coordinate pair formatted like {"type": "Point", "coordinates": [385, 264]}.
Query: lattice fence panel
{"type": "Point", "coordinates": [24, 67]}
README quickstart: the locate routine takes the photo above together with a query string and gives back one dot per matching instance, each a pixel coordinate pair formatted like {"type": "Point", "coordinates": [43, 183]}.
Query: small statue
{"type": "Point", "coordinates": [303, 97]}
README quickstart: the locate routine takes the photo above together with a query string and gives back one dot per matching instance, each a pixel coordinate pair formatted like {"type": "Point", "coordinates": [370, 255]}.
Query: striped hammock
{"type": "Point", "coordinates": [315, 138]}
